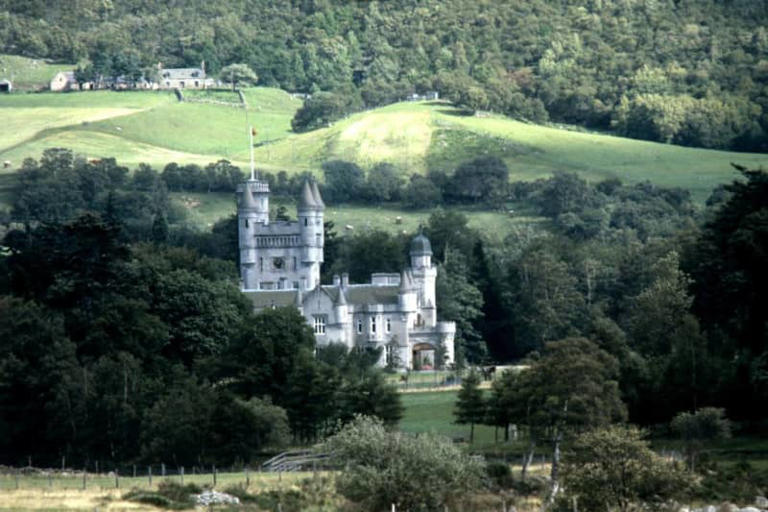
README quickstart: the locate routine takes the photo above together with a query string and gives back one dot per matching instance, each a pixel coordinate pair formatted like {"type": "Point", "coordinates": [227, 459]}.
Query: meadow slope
{"type": "Point", "coordinates": [153, 127]}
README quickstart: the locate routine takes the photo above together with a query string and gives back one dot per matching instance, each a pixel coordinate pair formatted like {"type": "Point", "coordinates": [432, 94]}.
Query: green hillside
{"type": "Point", "coordinates": [153, 127]}
{"type": "Point", "coordinates": [29, 74]}
{"type": "Point", "coordinates": [203, 210]}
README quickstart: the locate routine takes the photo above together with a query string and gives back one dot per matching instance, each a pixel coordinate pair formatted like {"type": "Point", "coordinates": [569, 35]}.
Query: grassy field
{"type": "Point", "coordinates": [38, 492]}
{"type": "Point", "coordinates": [205, 209]}
{"type": "Point", "coordinates": [141, 126]}
{"type": "Point", "coordinates": [29, 74]}
{"type": "Point", "coordinates": [153, 127]}
{"type": "Point", "coordinates": [433, 412]}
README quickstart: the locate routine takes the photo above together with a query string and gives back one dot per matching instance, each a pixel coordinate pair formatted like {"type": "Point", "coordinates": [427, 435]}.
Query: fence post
{"type": "Point", "coordinates": [85, 477]}
{"type": "Point", "coordinates": [214, 475]}
{"type": "Point", "coordinates": [97, 467]}
{"type": "Point", "coordinates": [117, 479]}
{"type": "Point", "coordinates": [162, 468]}
{"type": "Point", "coordinates": [182, 475]}
{"type": "Point", "coordinates": [247, 478]}
{"type": "Point", "coordinates": [16, 478]}
{"type": "Point", "coordinates": [50, 480]}
{"type": "Point", "coordinates": [149, 472]}
{"type": "Point", "coordinates": [134, 471]}
{"type": "Point", "coordinates": [63, 460]}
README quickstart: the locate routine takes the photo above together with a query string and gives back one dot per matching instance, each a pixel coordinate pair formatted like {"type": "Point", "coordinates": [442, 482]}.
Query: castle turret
{"type": "Point", "coordinates": [310, 214]}
{"type": "Point", "coordinates": [424, 275]}
{"type": "Point", "coordinates": [407, 294]}
{"type": "Point", "coordinates": [421, 252]}
{"type": "Point", "coordinates": [341, 310]}
{"type": "Point", "coordinates": [252, 211]}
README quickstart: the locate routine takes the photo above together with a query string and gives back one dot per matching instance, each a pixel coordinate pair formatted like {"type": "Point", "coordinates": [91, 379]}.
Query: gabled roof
{"type": "Point", "coordinates": [358, 295]}
{"type": "Point", "coordinates": [272, 298]}
{"type": "Point", "coordinates": [362, 294]}
{"type": "Point", "coordinates": [182, 73]}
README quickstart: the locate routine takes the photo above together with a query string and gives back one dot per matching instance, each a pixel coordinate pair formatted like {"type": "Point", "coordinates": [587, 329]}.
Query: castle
{"type": "Point", "coordinates": [280, 266]}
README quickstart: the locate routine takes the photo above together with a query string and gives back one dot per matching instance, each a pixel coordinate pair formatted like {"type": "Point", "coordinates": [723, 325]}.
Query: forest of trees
{"type": "Point", "coordinates": [122, 341]}
{"type": "Point", "coordinates": [690, 72]}
{"type": "Point", "coordinates": [119, 311]}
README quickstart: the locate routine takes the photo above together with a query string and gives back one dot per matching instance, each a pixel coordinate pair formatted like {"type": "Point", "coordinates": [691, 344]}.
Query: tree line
{"type": "Point", "coordinates": [671, 290]}
{"type": "Point", "coordinates": [122, 342]}
{"type": "Point", "coordinates": [688, 72]}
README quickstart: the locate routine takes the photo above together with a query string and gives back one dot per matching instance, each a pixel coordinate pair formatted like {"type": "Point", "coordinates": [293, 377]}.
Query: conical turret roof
{"type": "Point", "coordinates": [307, 199]}
{"type": "Point", "coordinates": [341, 300]}
{"type": "Point", "coordinates": [248, 201]}
{"type": "Point", "coordinates": [316, 195]}
{"type": "Point", "coordinates": [406, 284]}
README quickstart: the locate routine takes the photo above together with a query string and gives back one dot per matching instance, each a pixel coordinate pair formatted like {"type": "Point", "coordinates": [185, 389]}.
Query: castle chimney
{"type": "Point", "coordinates": [344, 280]}
{"type": "Point", "coordinates": [336, 280]}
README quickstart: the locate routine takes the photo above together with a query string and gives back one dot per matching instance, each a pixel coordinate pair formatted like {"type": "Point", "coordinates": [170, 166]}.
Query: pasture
{"type": "Point", "coordinates": [152, 127]}
{"type": "Point", "coordinates": [29, 74]}
{"type": "Point", "coordinates": [49, 491]}
{"type": "Point", "coordinates": [203, 210]}
{"type": "Point", "coordinates": [432, 411]}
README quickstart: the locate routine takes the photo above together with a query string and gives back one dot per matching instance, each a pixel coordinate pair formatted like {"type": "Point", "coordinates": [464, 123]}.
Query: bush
{"type": "Point", "coordinates": [530, 486]}
{"type": "Point", "coordinates": [413, 472]}
{"type": "Point", "coordinates": [615, 468]}
{"type": "Point", "coordinates": [170, 495]}
{"type": "Point", "coordinates": [740, 482]}
{"type": "Point", "coordinates": [499, 473]}
{"type": "Point", "coordinates": [240, 492]}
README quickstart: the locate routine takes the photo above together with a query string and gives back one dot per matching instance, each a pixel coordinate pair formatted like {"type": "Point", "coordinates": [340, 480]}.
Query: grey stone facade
{"type": "Point", "coordinates": [280, 266]}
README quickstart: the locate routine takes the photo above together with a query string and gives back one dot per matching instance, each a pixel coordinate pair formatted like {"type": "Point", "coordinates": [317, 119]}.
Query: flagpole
{"type": "Point", "coordinates": [250, 135]}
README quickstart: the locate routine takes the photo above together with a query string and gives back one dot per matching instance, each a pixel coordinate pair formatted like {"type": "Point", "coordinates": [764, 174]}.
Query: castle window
{"type": "Point", "coordinates": [389, 325]}
{"type": "Point", "coordinates": [246, 222]}
{"type": "Point", "coordinates": [390, 353]}
{"type": "Point", "coordinates": [294, 263]}
{"type": "Point", "coordinates": [373, 325]}
{"type": "Point", "coordinates": [261, 264]}
{"type": "Point", "coordinates": [359, 326]}
{"type": "Point", "coordinates": [305, 221]}
{"type": "Point", "coordinates": [319, 324]}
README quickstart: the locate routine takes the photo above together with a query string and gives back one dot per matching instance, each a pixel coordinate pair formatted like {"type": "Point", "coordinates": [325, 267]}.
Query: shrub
{"type": "Point", "coordinates": [170, 495]}
{"type": "Point", "coordinates": [615, 468]}
{"type": "Point", "coordinates": [499, 473]}
{"type": "Point", "coordinates": [414, 472]}
{"type": "Point", "coordinates": [240, 492]}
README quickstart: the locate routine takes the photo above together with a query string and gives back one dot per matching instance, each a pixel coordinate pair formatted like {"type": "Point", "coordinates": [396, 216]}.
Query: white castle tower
{"type": "Point", "coordinates": [279, 255]}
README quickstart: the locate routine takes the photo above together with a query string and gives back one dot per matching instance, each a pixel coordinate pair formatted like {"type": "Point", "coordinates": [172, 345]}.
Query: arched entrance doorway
{"type": "Point", "coordinates": [423, 356]}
